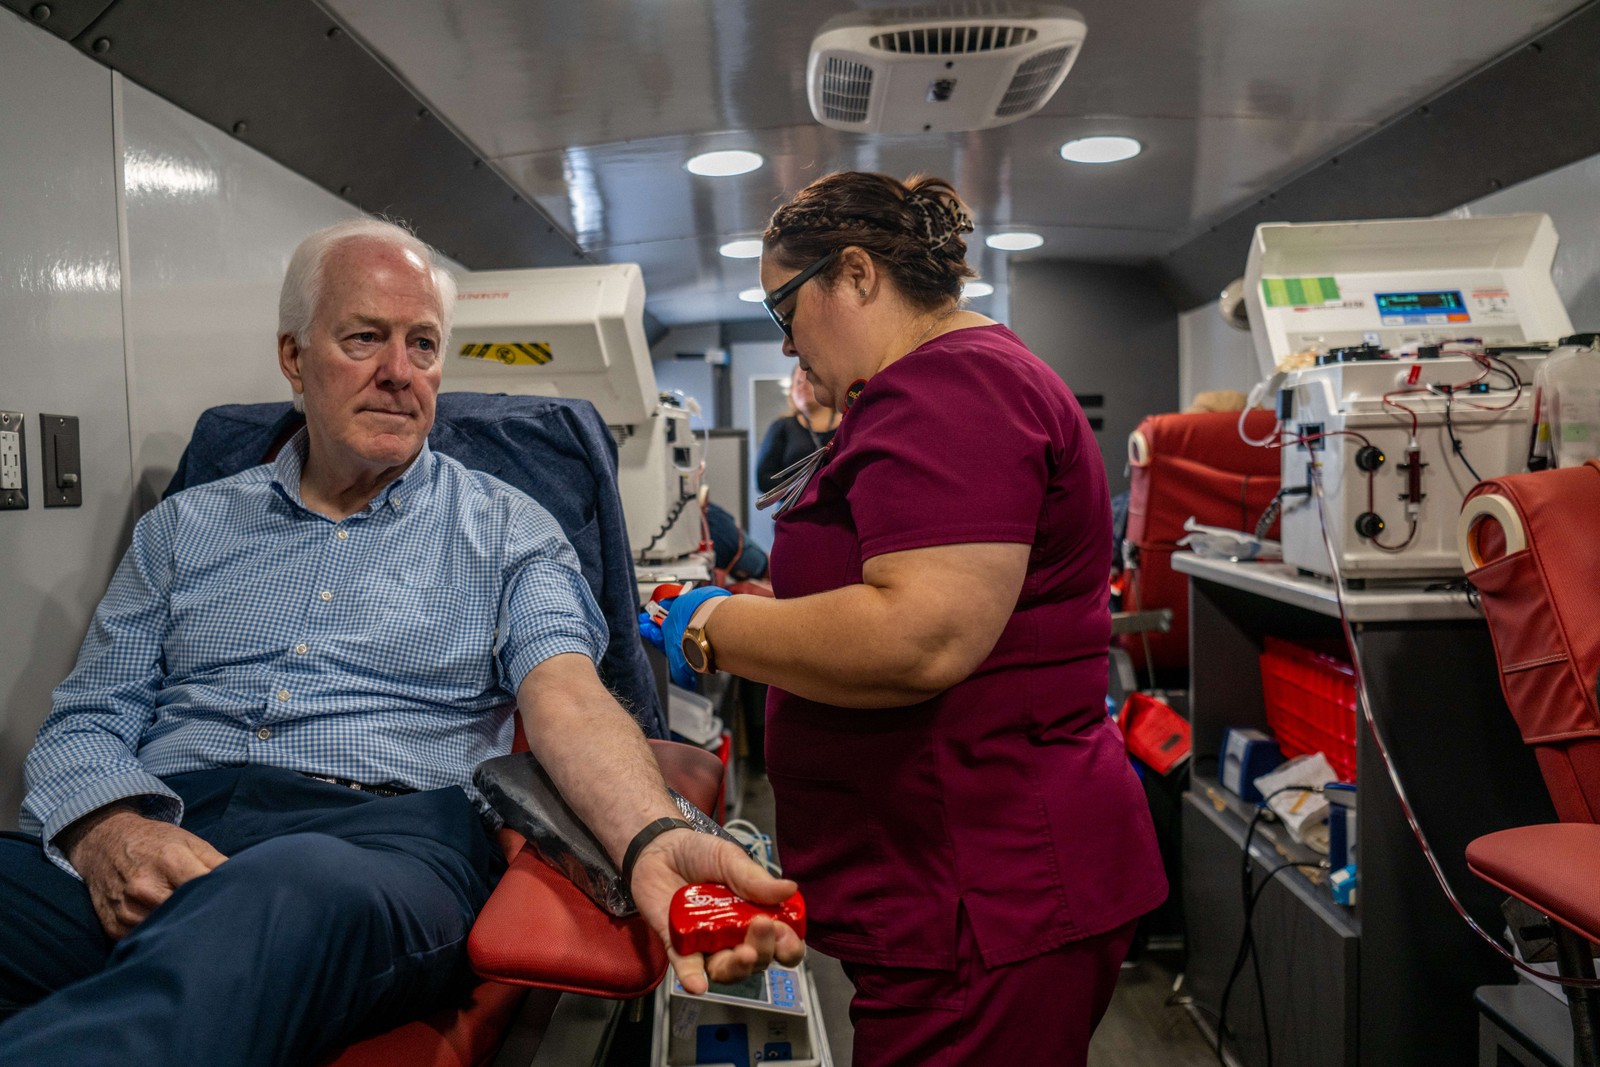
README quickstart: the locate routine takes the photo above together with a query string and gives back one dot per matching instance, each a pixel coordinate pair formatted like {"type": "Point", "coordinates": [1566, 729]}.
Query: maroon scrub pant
{"type": "Point", "coordinates": [1039, 1010]}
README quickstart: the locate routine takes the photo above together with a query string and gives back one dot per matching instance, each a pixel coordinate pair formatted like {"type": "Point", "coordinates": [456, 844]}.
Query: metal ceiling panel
{"type": "Point", "coordinates": [541, 132]}
{"type": "Point", "coordinates": [590, 110]}
{"type": "Point", "coordinates": [283, 78]}
{"type": "Point", "coordinates": [64, 18]}
{"type": "Point", "coordinates": [1531, 112]}
{"type": "Point", "coordinates": [1288, 60]}
{"type": "Point", "coordinates": [527, 77]}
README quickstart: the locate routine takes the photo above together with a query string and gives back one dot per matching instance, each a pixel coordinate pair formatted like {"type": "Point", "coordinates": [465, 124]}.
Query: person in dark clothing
{"type": "Point", "coordinates": [808, 426]}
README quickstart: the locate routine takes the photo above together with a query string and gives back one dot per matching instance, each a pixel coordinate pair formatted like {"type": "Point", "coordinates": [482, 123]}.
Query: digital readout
{"type": "Point", "coordinates": [1420, 303]}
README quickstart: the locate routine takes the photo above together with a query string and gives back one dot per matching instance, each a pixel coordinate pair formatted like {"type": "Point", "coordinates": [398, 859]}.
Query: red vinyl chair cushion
{"type": "Point", "coordinates": [1554, 868]}
{"type": "Point", "coordinates": [539, 929]}
{"type": "Point", "coordinates": [468, 1034]}
{"type": "Point", "coordinates": [1190, 465]}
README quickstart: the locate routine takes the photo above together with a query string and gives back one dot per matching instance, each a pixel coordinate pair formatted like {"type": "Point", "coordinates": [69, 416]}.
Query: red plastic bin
{"type": "Point", "coordinates": [1310, 700]}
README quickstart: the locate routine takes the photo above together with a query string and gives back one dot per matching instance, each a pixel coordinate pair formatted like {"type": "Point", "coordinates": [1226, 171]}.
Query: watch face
{"type": "Point", "coordinates": [693, 654]}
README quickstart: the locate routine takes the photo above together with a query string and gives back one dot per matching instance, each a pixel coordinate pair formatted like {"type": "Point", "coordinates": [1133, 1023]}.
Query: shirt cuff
{"type": "Point", "coordinates": [155, 801]}
{"type": "Point", "coordinates": [522, 662]}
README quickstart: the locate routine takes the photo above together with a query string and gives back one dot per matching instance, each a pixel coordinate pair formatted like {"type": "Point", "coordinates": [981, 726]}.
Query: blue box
{"type": "Point", "coordinates": [1247, 754]}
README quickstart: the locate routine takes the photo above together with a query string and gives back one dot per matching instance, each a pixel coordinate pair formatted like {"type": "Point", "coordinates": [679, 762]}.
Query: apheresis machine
{"type": "Point", "coordinates": [578, 332]}
{"type": "Point", "coordinates": [1403, 354]}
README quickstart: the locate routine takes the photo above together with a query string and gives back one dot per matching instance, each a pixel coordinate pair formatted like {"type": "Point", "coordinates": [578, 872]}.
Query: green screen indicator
{"type": "Point", "coordinates": [1299, 292]}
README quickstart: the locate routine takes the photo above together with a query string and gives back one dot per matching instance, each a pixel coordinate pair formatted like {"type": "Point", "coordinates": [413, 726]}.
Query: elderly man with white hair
{"type": "Point", "coordinates": [249, 831]}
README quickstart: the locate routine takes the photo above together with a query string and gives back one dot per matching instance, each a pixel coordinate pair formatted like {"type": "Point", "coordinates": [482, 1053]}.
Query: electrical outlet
{"type": "Point", "coordinates": [10, 459]}
{"type": "Point", "coordinates": [13, 462]}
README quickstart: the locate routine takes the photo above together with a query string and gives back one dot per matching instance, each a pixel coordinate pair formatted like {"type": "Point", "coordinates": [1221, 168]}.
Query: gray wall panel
{"type": "Point", "coordinates": [1571, 197]}
{"type": "Point", "coordinates": [1105, 330]}
{"type": "Point", "coordinates": [1212, 354]}
{"type": "Point", "coordinates": [209, 227]}
{"type": "Point", "coordinates": [61, 324]}
{"type": "Point", "coordinates": [211, 224]}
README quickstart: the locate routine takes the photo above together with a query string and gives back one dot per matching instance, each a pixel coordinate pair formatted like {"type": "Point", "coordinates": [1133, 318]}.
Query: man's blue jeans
{"type": "Point", "coordinates": [337, 913]}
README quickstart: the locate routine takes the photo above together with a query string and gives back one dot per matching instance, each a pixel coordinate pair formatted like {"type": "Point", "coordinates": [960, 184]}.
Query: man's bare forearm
{"type": "Point", "coordinates": [593, 750]}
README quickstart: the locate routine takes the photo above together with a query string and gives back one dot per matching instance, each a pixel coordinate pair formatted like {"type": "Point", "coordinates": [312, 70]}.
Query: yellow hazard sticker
{"type": "Point", "coordinates": [531, 354]}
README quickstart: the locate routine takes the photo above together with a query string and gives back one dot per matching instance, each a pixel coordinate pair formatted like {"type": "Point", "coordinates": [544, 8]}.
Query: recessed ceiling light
{"type": "Point", "coordinates": [722, 164]}
{"type": "Point", "coordinates": [1100, 149]}
{"type": "Point", "coordinates": [973, 290]}
{"type": "Point", "coordinates": [748, 248]}
{"type": "Point", "coordinates": [753, 296]}
{"type": "Point", "coordinates": [1017, 241]}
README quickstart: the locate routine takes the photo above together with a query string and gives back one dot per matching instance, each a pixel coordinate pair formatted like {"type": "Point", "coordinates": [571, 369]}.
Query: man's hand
{"type": "Point", "coordinates": [679, 857]}
{"type": "Point", "coordinates": [132, 864]}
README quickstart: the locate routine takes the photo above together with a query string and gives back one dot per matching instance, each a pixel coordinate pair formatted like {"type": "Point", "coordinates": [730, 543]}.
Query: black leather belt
{"type": "Point", "coordinates": [362, 787]}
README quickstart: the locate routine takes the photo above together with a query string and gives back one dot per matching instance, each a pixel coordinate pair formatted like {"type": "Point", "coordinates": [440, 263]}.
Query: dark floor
{"type": "Point", "coordinates": [1146, 1025]}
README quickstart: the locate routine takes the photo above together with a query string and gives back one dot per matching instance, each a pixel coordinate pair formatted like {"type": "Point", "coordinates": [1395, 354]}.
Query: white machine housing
{"type": "Point", "coordinates": [771, 1017]}
{"type": "Point", "coordinates": [1398, 284]}
{"type": "Point", "coordinates": [578, 332]}
{"type": "Point", "coordinates": [941, 69]}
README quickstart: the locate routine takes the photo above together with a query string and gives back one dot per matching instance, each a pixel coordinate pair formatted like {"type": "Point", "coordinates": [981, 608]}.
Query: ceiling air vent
{"type": "Point", "coordinates": [940, 69]}
{"type": "Point", "coordinates": [957, 40]}
{"type": "Point", "coordinates": [846, 89]}
{"type": "Point", "coordinates": [1034, 81]}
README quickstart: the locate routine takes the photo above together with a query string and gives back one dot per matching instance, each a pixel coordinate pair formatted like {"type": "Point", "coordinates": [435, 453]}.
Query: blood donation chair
{"type": "Point", "coordinates": [1190, 464]}
{"type": "Point", "coordinates": [1529, 545]}
{"type": "Point", "coordinates": [538, 930]}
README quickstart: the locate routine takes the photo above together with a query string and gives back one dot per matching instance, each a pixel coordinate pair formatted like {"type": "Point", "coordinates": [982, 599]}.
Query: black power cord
{"type": "Point", "coordinates": [1250, 893]}
{"type": "Point", "coordinates": [672, 517]}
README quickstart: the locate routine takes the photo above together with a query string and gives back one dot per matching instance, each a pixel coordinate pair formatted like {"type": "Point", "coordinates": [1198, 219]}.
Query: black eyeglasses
{"type": "Point", "coordinates": [788, 289]}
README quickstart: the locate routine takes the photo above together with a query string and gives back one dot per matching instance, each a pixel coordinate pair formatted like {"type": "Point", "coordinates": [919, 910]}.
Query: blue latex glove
{"type": "Point", "coordinates": [672, 627]}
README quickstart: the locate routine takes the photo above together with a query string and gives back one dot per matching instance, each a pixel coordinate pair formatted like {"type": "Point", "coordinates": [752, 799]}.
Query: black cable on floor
{"type": "Point", "coordinates": [1247, 944]}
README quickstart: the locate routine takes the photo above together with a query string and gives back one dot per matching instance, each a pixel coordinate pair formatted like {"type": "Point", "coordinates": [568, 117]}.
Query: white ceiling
{"type": "Point", "coordinates": [590, 107]}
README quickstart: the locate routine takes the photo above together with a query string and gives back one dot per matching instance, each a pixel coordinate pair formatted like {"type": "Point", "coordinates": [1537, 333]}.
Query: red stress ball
{"type": "Point", "coordinates": [706, 917]}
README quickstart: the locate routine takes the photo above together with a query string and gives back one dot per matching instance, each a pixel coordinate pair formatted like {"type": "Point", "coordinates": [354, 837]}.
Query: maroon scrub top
{"type": "Point", "coordinates": [1011, 793]}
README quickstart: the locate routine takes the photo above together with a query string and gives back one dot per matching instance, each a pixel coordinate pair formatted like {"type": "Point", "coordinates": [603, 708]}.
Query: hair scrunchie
{"type": "Point", "coordinates": [942, 220]}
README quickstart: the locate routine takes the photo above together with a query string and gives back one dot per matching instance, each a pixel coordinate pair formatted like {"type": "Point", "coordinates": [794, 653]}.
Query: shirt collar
{"type": "Point", "coordinates": [289, 466]}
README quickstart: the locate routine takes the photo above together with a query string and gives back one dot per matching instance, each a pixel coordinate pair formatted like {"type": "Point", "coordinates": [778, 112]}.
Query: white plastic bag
{"type": "Point", "coordinates": [1304, 813]}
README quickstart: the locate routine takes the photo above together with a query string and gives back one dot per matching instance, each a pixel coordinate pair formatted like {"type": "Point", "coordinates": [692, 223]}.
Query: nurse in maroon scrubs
{"type": "Point", "coordinates": [956, 805]}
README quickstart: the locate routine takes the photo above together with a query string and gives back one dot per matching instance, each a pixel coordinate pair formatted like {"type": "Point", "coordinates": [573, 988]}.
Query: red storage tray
{"type": "Point", "coordinates": [1310, 701]}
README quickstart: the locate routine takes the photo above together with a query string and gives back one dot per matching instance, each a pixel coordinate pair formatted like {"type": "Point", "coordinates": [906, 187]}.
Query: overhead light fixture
{"type": "Point", "coordinates": [974, 290]}
{"type": "Point", "coordinates": [753, 296]}
{"type": "Point", "coordinates": [746, 248]}
{"type": "Point", "coordinates": [724, 164]}
{"type": "Point", "coordinates": [1100, 149]}
{"type": "Point", "coordinates": [1017, 241]}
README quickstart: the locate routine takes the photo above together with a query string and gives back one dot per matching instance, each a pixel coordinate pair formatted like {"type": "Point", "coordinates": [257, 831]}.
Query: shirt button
{"type": "Point", "coordinates": [301, 648]}
{"type": "Point", "coordinates": [343, 535]}
{"type": "Point", "coordinates": [263, 733]}
{"type": "Point", "coordinates": [326, 595]}
{"type": "Point", "coordinates": [283, 694]}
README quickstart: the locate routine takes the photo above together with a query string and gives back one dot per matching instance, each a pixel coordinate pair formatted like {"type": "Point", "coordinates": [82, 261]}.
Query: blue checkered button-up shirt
{"type": "Point", "coordinates": [243, 628]}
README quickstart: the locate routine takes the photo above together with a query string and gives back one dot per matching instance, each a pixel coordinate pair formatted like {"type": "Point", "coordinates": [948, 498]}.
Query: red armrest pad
{"type": "Point", "coordinates": [539, 929]}
{"type": "Point", "coordinates": [1554, 868]}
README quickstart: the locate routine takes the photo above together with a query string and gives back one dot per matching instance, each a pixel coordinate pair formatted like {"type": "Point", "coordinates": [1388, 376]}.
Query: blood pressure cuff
{"type": "Point", "coordinates": [521, 793]}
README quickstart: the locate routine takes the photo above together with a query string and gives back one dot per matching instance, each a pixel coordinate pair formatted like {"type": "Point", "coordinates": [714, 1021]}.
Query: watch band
{"type": "Point", "coordinates": [651, 831]}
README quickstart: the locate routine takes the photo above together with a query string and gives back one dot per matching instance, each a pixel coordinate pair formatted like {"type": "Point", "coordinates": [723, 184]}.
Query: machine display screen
{"type": "Point", "coordinates": [753, 987]}
{"type": "Point", "coordinates": [1425, 307]}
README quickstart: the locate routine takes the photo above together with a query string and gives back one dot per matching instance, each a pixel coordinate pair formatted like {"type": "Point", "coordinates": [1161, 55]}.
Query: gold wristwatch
{"type": "Point", "coordinates": [697, 650]}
